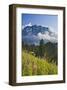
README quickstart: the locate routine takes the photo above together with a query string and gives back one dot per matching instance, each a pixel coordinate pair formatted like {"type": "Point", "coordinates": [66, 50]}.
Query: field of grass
{"type": "Point", "coordinates": [32, 65]}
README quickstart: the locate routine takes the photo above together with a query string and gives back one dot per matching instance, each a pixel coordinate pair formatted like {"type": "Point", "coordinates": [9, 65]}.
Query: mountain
{"type": "Point", "coordinates": [32, 34]}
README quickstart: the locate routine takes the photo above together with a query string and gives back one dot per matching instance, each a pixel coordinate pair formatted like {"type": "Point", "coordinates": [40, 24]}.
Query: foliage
{"type": "Point", "coordinates": [32, 65]}
{"type": "Point", "coordinates": [48, 51]}
{"type": "Point", "coordinates": [41, 48]}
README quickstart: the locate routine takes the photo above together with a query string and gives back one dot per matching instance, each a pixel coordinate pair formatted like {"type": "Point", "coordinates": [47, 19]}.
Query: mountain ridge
{"type": "Point", "coordinates": [33, 34]}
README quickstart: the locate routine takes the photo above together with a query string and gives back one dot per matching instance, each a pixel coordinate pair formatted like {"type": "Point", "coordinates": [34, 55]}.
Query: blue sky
{"type": "Point", "coordinates": [40, 19]}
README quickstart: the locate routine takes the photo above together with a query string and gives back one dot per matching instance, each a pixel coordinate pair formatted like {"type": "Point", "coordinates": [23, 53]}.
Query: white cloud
{"type": "Point", "coordinates": [52, 30]}
{"type": "Point", "coordinates": [50, 35]}
{"type": "Point", "coordinates": [29, 24]}
{"type": "Point", "coordinates": [46, 36]}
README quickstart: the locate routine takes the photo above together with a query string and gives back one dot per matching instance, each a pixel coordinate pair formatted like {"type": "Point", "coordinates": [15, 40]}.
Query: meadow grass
{"type": "Point", "coordinates": [32, 65]}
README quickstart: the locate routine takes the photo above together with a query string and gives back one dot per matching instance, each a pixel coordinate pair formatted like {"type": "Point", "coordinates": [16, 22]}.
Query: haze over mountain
{"type": "Point", "coordinates": [32, 34]}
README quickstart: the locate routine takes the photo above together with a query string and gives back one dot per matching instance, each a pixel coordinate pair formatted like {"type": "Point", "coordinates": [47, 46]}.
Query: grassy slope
{"type": "Point", "coordinates": [32, 65]}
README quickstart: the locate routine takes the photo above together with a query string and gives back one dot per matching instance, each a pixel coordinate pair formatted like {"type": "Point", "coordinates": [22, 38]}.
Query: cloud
{"type": "Point", "coordinates": [52, 30]}
{"type": "Point", "coordinates": [29, 24]}
{"type": "Point", "coordinates": [47, 36]}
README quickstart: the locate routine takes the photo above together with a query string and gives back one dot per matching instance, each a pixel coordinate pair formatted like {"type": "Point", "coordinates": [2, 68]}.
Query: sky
{"type": "Point", "coordinates": [41, 19]}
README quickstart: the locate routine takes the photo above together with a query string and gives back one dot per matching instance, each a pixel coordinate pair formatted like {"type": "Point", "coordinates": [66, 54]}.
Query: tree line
{"type": "Point", "coordinates": [46, 51]}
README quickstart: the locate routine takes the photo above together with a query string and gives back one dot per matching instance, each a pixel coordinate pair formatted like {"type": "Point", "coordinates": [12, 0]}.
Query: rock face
{"type": "Point", "coordinates": [33, 34]}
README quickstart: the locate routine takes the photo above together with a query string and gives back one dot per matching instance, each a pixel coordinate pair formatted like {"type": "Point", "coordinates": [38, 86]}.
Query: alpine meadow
{"type": "Point", "coordinates": [39, 44]}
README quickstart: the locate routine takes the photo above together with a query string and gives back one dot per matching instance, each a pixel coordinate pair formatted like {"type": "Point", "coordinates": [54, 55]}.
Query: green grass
{"type": "Point", "coordinates": [32, 65]}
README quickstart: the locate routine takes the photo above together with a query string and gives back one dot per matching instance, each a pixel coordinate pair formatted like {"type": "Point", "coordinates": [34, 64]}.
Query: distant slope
{"type": "Point", "coordinates": [32, 65]}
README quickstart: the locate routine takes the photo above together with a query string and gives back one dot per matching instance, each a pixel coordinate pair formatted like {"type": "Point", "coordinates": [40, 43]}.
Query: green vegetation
{"type": "Point", "coordinates": [39, 59]}
{"type": "Point", "coordinates": [32, 65]}
{"type": "Point", "coordinates": [48, 51]}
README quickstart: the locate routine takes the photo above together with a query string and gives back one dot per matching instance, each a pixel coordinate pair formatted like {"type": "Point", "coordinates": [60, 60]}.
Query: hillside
{"type": "Point", "coordinates": [32, 65]}
{"type": "Point", "coordinates": [49, 51]}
